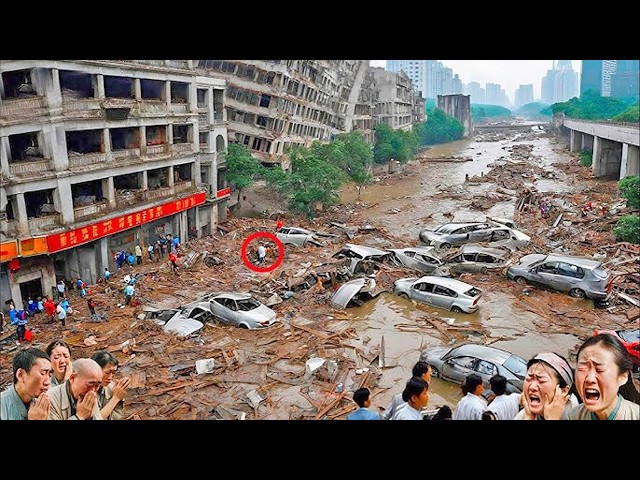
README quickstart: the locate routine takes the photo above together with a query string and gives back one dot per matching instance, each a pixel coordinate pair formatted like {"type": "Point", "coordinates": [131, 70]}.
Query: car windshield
{"type": "Point", "coordinates": [248, 304]}
{"type": "Point", "coordinates": [516, 365]}
{"type": "Point", "coordinates": [629, 335]}
{"type": "Point", "coordinates": [474, 292]}
{"type": "Point", "coordinates": [600, 273]}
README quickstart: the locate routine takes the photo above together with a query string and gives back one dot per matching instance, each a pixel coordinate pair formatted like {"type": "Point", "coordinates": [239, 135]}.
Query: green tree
{"type": "Point", "coordinates": [439, 128]}
{"type": "Point", "coordinates": [630, 189]}
{"type": "Point", "coordinates": [590, 106]}
{"type": "Point", "coordinates": [400, 145]}
{"type": "Point", "coordinates": [631, 114]}
{"type": "Point", "coordinates": [242, 168]}
{"type": "Point", "coordinates": [586, 157]}
{"type": "Point", "coordinates": [628, 229]}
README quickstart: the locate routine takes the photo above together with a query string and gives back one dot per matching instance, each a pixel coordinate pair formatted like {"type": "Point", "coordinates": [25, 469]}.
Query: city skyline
{"type": "Point", "coordinates": [510, 74]}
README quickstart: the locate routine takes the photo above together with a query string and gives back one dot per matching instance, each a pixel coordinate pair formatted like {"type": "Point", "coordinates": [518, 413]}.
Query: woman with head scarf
{"type": "Point", "coordinates": [546, 391]}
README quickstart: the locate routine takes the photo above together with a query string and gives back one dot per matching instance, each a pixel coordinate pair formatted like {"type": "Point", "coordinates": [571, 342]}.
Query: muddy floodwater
{"type": "Point", "coordinates": [410, 203]}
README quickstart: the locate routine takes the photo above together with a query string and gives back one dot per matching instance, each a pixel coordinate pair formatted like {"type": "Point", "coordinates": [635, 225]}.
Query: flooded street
{"type": "Point", "coordinates": [407, 204]}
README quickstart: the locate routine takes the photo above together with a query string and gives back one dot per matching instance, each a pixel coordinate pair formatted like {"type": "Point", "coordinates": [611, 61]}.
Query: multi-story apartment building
{"type": "Point", "coordinates": [275, 104]}
{"type": "Point", "coordinates": [100, 155]}
{"type": "Point", "coordinates": [364, 119]}
{"type": "Point", "coordinates": [395, 97]}
{"type": "Point", "coordinates": [523, 95]}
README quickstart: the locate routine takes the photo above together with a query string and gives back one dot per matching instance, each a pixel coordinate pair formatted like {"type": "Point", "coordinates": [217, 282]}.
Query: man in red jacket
{"type": "Point", "coordinates": [49, 308]}
{"type": "Point", "coordinates": [173, 259]}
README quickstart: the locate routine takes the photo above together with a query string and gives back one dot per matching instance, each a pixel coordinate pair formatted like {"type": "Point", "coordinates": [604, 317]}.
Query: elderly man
{"type": "Point", "coordinates": [77, 398]}
{"type": "Point", "coordinates": [27, 398]}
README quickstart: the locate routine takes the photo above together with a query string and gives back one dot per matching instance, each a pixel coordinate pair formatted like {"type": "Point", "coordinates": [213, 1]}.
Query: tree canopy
{"type": "Point", "coordinates": [400, 145]}
{"type": "Point", "coordinates": [242, 168]}
{"type": "Point", "coordinates": [439, 128]}
{"type": "Point", "coordinates": [590, 106]}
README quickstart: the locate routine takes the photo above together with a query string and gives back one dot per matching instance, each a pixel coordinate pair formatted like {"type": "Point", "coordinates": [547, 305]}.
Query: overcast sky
{"type": "Point", "coordinates": [510, 74]}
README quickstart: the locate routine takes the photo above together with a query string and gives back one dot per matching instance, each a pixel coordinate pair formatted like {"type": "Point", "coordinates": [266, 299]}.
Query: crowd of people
{"type": "Point", "coordinates": [601, 388]}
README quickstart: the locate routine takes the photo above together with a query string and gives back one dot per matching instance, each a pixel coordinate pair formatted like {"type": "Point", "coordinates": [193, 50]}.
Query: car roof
{"type": "Point", "coordinates": [484, 352]}
{"type": "Point", "coordinates": [363, 251]}
{"type": "Point", "coordinates": [232, 295]}
{"type": "Point", "coordinates": [446, 282]}
{"type": "Point", "coordinates": [469, 248]}
{"type": "Point", "coordinates": [583, 262]}
{"type": "Point", "coordinates": [453, 225]}
{"type": "Point", "coordinates": [303, 230]}
{"type": "Point", "coordinates": [421, 250]}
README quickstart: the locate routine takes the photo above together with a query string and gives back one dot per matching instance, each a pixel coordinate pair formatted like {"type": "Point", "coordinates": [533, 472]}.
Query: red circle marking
{"type": "Point", "coordinates": [245, 257]}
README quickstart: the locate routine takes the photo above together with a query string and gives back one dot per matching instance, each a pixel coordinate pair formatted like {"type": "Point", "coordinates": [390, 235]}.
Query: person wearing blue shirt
{"type": "Point", "coordinates": [362, 397]}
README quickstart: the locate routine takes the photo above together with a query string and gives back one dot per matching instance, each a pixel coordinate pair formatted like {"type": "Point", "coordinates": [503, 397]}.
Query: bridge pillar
{"type": "Point", "coordinates": [587, 142]}
{"type": "Point", "coordinates": [630, 164]}
{"type": "Point", "coordinates": [607, 158]}
{"type": "Point", "coordinates": [576, 141]}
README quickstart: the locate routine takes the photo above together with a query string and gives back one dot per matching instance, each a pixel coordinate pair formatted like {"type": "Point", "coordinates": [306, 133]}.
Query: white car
{"type": "Point", "coordinates": [297, 236]}
{"type": "Point", "coordinates": [456, 234]}
{"type": "Point", "coordinates": [239, 309]}
{"type": "Point", "coordinates": [423, 259]}
{"type": "Point", "coordinates": [448, 293]}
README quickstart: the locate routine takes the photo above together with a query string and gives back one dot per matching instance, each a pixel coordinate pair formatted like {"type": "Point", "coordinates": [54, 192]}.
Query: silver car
{"type": "Point", "coordinates": [360, 259]}
{"type": "Point", "coordinates": [297, 236]}
{"type": "Point", "coordinates": [455, 234]}
{"type": "Point", "coordinates": [447, 293]}
{"type": "Point", "coordinates": [239, 309]}
{"type": "Point", "coordinates": [580, 277]}
{"type": "Point", "coordinates": [355, 292]}
{"type": "Point", "coordinates": [454, 364]}
{"type": "Point", "coordinates": [476, 259]}
{"type": "Point", "coordinates": [423, 259]}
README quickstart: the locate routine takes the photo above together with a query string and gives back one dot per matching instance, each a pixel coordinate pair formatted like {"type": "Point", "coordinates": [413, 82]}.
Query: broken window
{"type": "Point", "coordinates": [127, 182]}
{"type": "Point", "coordinates": [118, 87]}
{"type": "Point", "coordinates": [17, 84]}
{"type": "Point", "coordinates": [86, 193]}
{"type": "Point", "coordinates": [124, 138]}
{"type": "Point", "coordinates": [24, 146]}
{"type": "Point", "coordinates": [84, 141]}
{"type": "Point", "coordinates": [156, 135]}
{"type": "Point", "coordinates": [39, 203]}
{"type": "Point", "coordinates": [181, 134]}
{"type": "Point", "coordinates": [261, 121]}
{"type": "Point", "coordinates": [182, 173]}
{"type": "Point", "coordinates": [201, 95]}
{"type": "Point", "coordinates": [157, 178]}
{"type": "Point", "coordinates": [76, 84]}
{"type": "Point", "coordinates": [265, 100]}
{"type": "Point", "coordinates": [152, 89]}
{"type": "Point", "coordinates": [179, 92]}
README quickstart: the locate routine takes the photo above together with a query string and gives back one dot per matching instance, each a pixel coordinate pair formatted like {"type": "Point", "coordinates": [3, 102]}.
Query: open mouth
{"type": "Point", "coordinates": [591, 395]}
{"type": "Point", "coordinates": [534, 401]}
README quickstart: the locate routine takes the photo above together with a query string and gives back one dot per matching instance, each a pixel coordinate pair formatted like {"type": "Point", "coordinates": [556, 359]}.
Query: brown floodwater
{"type": "Point", "coordinates": [408, 204]}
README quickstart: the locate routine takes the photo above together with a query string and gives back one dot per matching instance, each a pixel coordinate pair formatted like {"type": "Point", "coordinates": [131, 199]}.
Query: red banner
{"type": "Point", "coordinates": [223, 193]}
{"type": "Point", "coordinates": [78, 236]}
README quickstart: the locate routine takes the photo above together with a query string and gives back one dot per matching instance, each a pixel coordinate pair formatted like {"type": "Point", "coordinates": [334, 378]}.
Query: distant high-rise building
{"type": "Point", "coordinates": [625, 82]}
{"type": "Point", "coordinates": [476, 92]}
{"type": "Point", "coordinates": [415, 70]}
{"type": "Point", "coordinates": [523, 95]}
{"type": "Point", "coordinates": [431, 69]}
{"type": "Point", "coordinates": [456, 85]}
{"type": "Point", "coordinates": [547, 84]}
{"type": "Point", "coordinates": [560, 84]}
{"type": "Point", "coordinates": [494, 94]}
{"type": "Point", "coordinates": [596, 75]}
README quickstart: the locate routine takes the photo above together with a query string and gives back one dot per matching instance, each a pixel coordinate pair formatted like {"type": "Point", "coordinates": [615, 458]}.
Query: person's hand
{"type": "Point", "coordinates": [86, 405]}
{"type": "Point", "coordinates": [39, 410]}
{"type": "Point", "coordinates": [527, 410]}
{"type": "Point", "coordinates": [121, 387]}
{"type": "Point", "coordinates": [555, 406]}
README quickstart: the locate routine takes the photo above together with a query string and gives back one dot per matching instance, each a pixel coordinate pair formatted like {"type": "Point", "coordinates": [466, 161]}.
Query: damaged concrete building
{"type": "Point", "coordinates": [395, 98]}
{"type": "Point", "coordinates": [98, 156]}
{"type": "Point", "coordinates": [459, 107]}
{"type": "Point", "coordinates": [276, 104]}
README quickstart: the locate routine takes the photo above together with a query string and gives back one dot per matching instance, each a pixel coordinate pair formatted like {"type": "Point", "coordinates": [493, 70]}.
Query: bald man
{"type": "Point", "coordinates": [77, 399]}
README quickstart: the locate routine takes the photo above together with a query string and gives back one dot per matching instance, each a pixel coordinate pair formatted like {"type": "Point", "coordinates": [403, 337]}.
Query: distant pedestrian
{"type": "Point", "coordinates": [173, 259]}
{"type": "Point", "coordinates": [120, 258]}
{"type": "Point", "coordinates": [279, 224]}
{"type": "Point", "coordinates": [40, 305]}
{"type": "Point", "coordinates": [131, 259]}
{"type": "Point", "coordinates": [31, 307]}
{"type": "Point", "coordinates": [92, 306]}
{"type": "Point", "coordinates": [150, 250]}
{"type": "Point", "coordinates": [62, 289]}
{"type": "Point", "coordinates": [162, 241]}
{"type": "Point", "coordinates": [62, 314]}
{"type": "Point", "coordinates": [262, 253]}
{"type": "Point", "coordinates": [107, 274]}
{"type": "Point", "coordinates": [128, 293]}
{"type": "Point", "coordinates": [50, 309]}
{"type": "Point", "coordinates": [138, 252]}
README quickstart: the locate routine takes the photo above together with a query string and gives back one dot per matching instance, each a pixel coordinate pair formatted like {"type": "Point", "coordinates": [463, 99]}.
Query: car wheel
{"type": "Point", "coordinates": [404, 295]}
{"type": "Point", "coordinates": [484, 270]}
{"type": "Point", "coordinates": [456, 309]}
{"type": "Point", "coordinates": [242, 325]}
{"type": "Point", "coordinates": [577, 293]}
{"type": "Point", "coordinates": [445, 246]}
{"type": "Point", "coordinates": [521, 280]}
{"type": "Point", "coordinates": [435, 372]}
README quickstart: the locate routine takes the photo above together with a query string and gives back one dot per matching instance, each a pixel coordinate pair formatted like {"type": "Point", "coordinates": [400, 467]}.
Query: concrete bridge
{"type": "Point", "coordinates": [615, 146]}
{"type": "Point", "coordinates": [504, 127]}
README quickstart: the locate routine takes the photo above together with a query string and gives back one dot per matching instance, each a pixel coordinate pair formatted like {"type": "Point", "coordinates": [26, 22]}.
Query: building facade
{"type": "Point", "coordinates": [98, 156]}
{"type": "Point", "coordinates": [395, 98]}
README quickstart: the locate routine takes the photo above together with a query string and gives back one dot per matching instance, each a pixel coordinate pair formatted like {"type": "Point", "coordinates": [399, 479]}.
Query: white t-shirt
{"type": "Point", "coordinates": [407, 412]}
{"type": "Point", "coordinates": [470, 407]}
{"type": "Point", "coordinates": [262, 251]}
{"type": "Point", "coordinates": [506, 406]}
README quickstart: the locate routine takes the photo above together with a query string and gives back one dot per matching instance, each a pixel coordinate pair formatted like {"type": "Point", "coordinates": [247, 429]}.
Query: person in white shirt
{"type": "Point", "coordinates": [262, 253]}
{"type": "Point", "coordinates": [471, 406]}
{"type": "Point", "coordinates": [420, 369]}
{"type": "Point", "coordinates": [504, 405]}
{"type": "Point", "coordinates": [416, 396]}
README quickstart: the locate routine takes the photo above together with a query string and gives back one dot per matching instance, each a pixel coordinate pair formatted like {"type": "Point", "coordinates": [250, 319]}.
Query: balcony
{"type": "Point", "coordinates": [45, 223]}
{"type": "Point", "coordinates": [182, 148]}
{"type": "Point", "coordinates": [87, 211]}
{"type": "Point", "coordinates": [129, 197]}
{"type": "Point", "coordinates": [203, 121]}
{"type": "Point", "coordinates": [153, 107]}
{"type": "Point", "coordinates": [26, 169]}
{"type": "Point", "coordinates": [21, 109]}
{"type": "Point", "coordinates": [73, 107]}
{"type": "Point", "coordinates": [86, 159]}
{"type": "Point", "coordinates": [126, 154]}
{"type": "Point", "coordinates": [164, 192]}
{"type": "Point", "coordinates": [161, 150]}
{"type": "Point", "coordinates": [10, 228]}
{"type": "Point", "coordinates": [181, 107]}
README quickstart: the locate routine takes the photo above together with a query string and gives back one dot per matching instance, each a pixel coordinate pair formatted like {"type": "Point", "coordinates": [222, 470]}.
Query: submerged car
{"type": "Point", "coordinates": [238, 309]}
{"type": "Point", "coordinates": [473, 259]}
{"type": "Point", "coordinates": [423, 259]}
{"type": "Point", "coordinates": [355, 292]}
{"type": "Point", "coordinates": [456, 234]}
{"type": "Point", "coordinates": [297, 236]}
{"type": "Point", "coordinates": [631, 341]}
{"type": "Point", "coordinates": [361, 259]}
{"type": "Point", "coordinates": [580, 277]}
{"type": "Point", "coordinates": [447, 293]}
{"type": "Point", "coordinates": [455, 363]}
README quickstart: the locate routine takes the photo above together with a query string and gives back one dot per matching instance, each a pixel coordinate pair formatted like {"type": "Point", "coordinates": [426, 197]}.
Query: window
{"type": "Point", "coordinates": [463, 362]}
{"type": "Point", "coordinates": [499, 235]}
{"type": "Point", "coordinates": [549, 267]}
{"type": "Point", "coordinates": [486, 368]}
{"type": "Point", "coordinates": [568, 270]}
{"type": "Point", "coordinates": [410, 254]}
{"type": "Point", "coordinates": [483, 258]}
{"type": "Point", "coordinates": [424, 287]}
{"type": "Point", "coordinates": [440, 290]}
